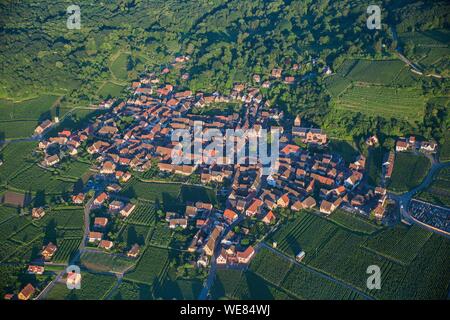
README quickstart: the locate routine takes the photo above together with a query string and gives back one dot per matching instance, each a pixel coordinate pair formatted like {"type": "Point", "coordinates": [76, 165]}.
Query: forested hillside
{"type": "Point", "coordinates": [230, 41]}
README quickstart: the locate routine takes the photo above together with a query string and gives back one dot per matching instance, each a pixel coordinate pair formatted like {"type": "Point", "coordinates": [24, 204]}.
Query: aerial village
{"type": "Point", "coordinates": [319, 181]}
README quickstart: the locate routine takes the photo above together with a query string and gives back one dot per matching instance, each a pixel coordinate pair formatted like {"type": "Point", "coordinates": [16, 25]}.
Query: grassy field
{"type": "Point", "coordinates": [401, 103]}
{"type": "Point", "coordinates": [131, 234]}
{"type": "Point", "coordinates": [19, 119]}
{"type": "Point", "coordinates": [409, 171]}
{"type": "Point", "coordinates": [439, 191]}
{"type": "Point", "coordinates": [40, 108]}
{"type": "Point", "coordinates": [119, 66]}
{"type": "Point", "coordinates": [105, 262]}
{"type": "Point", "coordinates": [344, 254]}
{"type": "Point", "coordinates": [110, 89]}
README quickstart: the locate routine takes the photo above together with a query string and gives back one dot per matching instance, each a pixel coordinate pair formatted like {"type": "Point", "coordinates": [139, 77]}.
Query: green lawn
{"type": "Point", "coordinates": [409, 171]}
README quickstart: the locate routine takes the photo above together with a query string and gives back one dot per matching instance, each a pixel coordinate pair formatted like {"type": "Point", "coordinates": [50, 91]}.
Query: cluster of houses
{"type": "Point", "coordinates": [411, 144]}
{"type": "Point", "coordinates": [114, 209]}
{"type": "Point", "coordinates": [136, 133]}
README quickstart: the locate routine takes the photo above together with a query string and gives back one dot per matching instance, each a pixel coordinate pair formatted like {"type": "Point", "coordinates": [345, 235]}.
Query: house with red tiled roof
{"type": "Point", "coordinates": [101, 198]}
{"type": "Point", "coordinates": [27, 292]}
{"type": "Point", "coordinates": [269, 217]}
{"type": "Point", "coordinates": [246, 255]}
{"type": "Point", "coordinates": [254, 208]}
{"type": "Point", "coordinates": [230, 215]}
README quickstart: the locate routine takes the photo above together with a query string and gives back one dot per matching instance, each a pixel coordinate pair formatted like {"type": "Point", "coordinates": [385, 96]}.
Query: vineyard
{"type": "Point", "coordinates": [150, 266]}
{"type": "Point", "coordinates": [94, 287]}
{"type": "Point", "coordinates": [353, 223]}
{"type": "Point", "coordinates": [389, 102]}
{"type": "Point", "coordinates": [66, 249]}
{"type": "Point", "coordinates": [161, 235]}
{"type": "Point", "coordinates": [129, 290]}
{"type": "Point", "coordinates": [144, 214]}
{"type": "Point", "coordinates": [264, 265]}
{"type": "Point", "coordinates": [307, 233]}
{"type": "Point", "coordinates": [27, 234]}
{"type": "Point", "coordinates": [400, 244]}
{"type": "Point", "coordinates": [15, 156]}
{"type": "Point", "coordinates": [35, 178]}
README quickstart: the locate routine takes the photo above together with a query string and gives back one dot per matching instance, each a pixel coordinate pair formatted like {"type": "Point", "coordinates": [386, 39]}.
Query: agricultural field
{"type": "Point", "coordinates": [375, 71]}
{"type": "Point", "coordinates": [37, 109]}
{"type": "Point", "coordinates": [35, 178]}
{"type": "Point", "coordinates": [161, 235]}
{"type": "Point", "coordinates": [305, 284]}
{"type": "Point", "coordinates": [132, 234]}
{"type": "Point", "coordinates": [353, 223]}
{"type": "Point", "coordinates": [401, 252]}
{"type": "Point", "coordinates": [409, 171]}
{"type": "Point", "coordinates": [236, 284]}
{"type": "Point", "coordinates": [308, 233]}
{"type": "Point", "coordinates": [144, 214]}
{"type": "Point", "coordinates": [93, 287]}
{"type": "Point", "coordinates": [15, 156]}
{"type": "Point", "coordinates": [27, 234]}
{"type": "Point", "coordinates": [105, 262]}
{"type": "Point", "coordinates": [400, 244]}
{"type": "Point", "coordinates": [74, 169]}
{"type": "Point", "coordinates": [429, 49]}
{"type": "Point", "coordinates": [17, 129]}
{"type": "Point", "coordinates": [336, 84]}
{"type": "Point", "coordinates": [7, 213]}
{"type": "Point", "coordinates": [161, 192]}
{"type": "Point", "coordinates": [64, 218]}
{"type": "Point", "coordinates": [129, 290]}
{"type": "Point", "coordinates": [389, 102]}
{"type": "Point", "coordinates": [438, 192]}
{"type": "Point", "coordinates": [119, 67]}
{"type": "Point", "coordinates": [150, 267]}
{"type": "Point", "coordinates": [110, 89]}
{"type": "Point", "coordinates": [66, 250]}
{"type": "Point", "coordinates": [263, 265]}
{"type": "Point", "coordinates": [180, 289]}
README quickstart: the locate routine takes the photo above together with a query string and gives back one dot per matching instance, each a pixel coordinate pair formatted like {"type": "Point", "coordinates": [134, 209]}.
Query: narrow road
{"type": "Point", "coordinates": [323, 275]}
{"type": "Point", "coordinates": [213, 268]}
{"type": "Point", "coordinates": [46, 290]}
